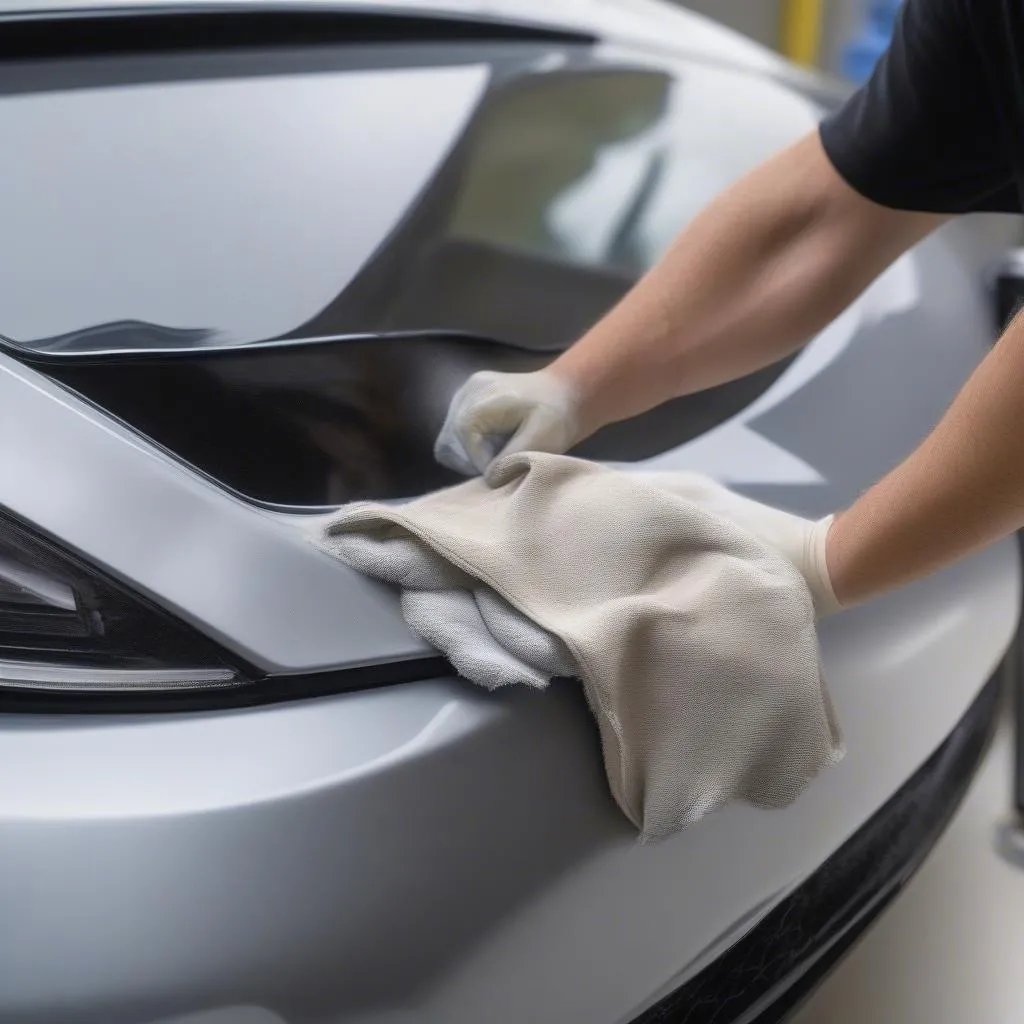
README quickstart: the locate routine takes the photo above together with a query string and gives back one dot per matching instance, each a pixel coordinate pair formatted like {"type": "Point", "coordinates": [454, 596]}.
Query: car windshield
{"type": "Point", "coordinates": [223, 200]}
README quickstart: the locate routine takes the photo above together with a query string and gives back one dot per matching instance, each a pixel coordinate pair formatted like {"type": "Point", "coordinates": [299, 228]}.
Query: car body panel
{"type": "Point", "coordinates": [429, 853]}
{"type": "Point", "coordinates": [395, 849]}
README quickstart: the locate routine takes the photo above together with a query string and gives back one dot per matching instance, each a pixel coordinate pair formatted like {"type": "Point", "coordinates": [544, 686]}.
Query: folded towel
{"type": "Point", "coordinates": [694, 641]}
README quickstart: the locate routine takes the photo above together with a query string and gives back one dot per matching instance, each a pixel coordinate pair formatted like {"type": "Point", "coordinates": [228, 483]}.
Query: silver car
{"type": "Point", "coordinates": [249, 252]}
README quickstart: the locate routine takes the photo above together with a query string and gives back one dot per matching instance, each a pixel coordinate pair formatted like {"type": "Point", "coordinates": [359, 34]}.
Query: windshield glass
{"type": "Point", "coordinates": [513, 192]}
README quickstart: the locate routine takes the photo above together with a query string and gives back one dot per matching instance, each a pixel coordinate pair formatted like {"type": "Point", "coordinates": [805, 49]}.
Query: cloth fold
{"type": "Point", "coordinates": [694, 642]}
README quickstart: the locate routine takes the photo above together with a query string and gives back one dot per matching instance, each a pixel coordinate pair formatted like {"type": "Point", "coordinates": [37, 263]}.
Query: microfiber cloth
{"type": "Point", "coordinates": [695, 642]}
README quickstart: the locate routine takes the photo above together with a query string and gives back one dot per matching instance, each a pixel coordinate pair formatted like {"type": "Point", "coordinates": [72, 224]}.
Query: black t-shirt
{"type": "Point", "coordinates": [939, 126]}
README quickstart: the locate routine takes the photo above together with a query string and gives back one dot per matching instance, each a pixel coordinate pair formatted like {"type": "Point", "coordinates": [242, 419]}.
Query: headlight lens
{"type": "Point", "coordinates": [66, 626]}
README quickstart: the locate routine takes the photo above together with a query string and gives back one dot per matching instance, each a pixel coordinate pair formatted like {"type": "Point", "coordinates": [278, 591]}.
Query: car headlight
{"type": "Point", "coordinates": [65, 626]}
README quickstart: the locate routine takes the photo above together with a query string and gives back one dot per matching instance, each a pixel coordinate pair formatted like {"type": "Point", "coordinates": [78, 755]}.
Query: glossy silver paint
{"type": "Point", "coordinates": [428, 853]}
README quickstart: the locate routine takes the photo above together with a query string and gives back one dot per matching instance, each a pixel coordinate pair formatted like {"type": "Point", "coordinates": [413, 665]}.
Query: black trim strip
{"type": "Point", "coordinates": [771, 970]}
{"type": "Point", "coordinates": [129, 30]}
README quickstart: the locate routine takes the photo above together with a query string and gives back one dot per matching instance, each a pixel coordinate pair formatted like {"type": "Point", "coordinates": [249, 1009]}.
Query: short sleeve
{"type": "Point", "coordinates": [924, 132]}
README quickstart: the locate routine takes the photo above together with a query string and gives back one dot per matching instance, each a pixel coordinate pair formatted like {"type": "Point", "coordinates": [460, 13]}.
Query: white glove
{"type": "Point", "coordinates": [801, 541]}
{"type": "Point", "coordinates": [496, 414]}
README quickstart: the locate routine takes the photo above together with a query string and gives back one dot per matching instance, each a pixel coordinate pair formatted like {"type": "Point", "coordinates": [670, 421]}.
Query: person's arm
{"type": "Point", "coordinates": [769, 263]}
{"type": "Point", "coordinates": [763, 268]}
{"type": "Point", "coordinates": [960, 490]}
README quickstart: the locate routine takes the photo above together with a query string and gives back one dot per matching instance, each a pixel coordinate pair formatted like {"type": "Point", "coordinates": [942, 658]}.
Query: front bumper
{"type": "Point", "coordinates": [435, 854]}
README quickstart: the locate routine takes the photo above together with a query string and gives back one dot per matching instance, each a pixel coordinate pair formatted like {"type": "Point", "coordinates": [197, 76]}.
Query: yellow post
{"type": "Point", "coordinates": [801, 30]}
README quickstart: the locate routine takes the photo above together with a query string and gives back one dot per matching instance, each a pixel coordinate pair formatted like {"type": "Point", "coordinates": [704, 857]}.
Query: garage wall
{"type": "Point", "coordinates": [759, 19]}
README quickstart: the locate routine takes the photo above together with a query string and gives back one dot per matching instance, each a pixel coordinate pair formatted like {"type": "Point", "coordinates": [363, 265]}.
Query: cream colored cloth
{"type": "Point", "coordinates": [694, 641]}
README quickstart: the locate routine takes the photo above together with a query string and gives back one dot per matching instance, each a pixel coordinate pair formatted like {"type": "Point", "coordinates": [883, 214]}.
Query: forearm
{"type": "Point", "coordinates": [761, 270]}
{"type": "Point", "coordinates": [960, 490]}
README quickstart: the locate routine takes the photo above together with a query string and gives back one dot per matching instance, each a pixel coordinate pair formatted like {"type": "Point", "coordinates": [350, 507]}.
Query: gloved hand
{"type": "Point", "coordinates": [499, 413]}
{"type": "Point", "coordinates": [801, 541]}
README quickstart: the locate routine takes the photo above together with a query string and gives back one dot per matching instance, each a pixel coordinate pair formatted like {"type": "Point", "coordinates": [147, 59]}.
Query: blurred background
{"type": "Point", "coordinates": [844, 37]}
